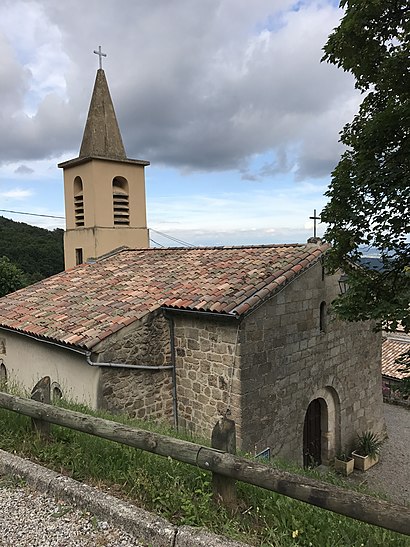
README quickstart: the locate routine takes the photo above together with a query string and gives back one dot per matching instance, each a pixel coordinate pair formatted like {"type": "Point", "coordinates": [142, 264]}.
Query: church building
{"type": "Point", "coordinates": [185, 335]}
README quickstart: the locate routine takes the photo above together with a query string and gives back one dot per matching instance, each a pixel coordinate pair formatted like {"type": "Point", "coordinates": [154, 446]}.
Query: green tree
{"type": "Point", "coordinates": [11, 277]}
{"type": "Point", "coordinates": [369, 193]}
{"type": "Point", "coordinates": [38, 252]}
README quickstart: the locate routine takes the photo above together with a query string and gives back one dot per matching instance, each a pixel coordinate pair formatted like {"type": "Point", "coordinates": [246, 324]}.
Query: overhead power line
{"type": "Point", "coordinates": [29, 214]}
{"type": "Point", "coordinates": [180, 241]}
{"type": "Point", "coordinates": [173, 238]}
{"type": "Point", "coordinates": [156, 242]}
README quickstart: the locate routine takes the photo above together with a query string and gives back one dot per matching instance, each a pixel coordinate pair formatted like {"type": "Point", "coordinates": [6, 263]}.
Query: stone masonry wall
{"type": "Point", "coordinates": [287, 361]}
{"type": "Point", "coordinates": [205, 368]}
{"type": "Point", "coordinates": [139, 393]}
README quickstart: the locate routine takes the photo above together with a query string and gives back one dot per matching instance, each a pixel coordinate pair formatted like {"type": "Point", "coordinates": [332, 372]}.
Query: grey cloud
{"type": "Point", "coordinates": [13, 80]}
{"type": "Point", "coordinates": [193, 84]}
{"type": "Point", "coordinates": [24, 170]}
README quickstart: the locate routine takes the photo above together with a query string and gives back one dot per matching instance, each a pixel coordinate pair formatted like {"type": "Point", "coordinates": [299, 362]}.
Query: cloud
{"type": "Point", "coordinates": [17, 194]}
{"type": "Point", "coordinates": [199, 86]}
{"type": "Point", "coordinates": [23, 170]}
{"type": "Point", "coordinates": [259, 210]}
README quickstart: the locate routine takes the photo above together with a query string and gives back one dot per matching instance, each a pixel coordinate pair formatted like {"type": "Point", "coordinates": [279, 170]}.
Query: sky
{"type": "Point", "coordinates": [227, 99]}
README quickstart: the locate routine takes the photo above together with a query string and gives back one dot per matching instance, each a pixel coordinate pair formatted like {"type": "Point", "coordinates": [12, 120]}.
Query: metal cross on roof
{"type": "Point", "coordinates": [100, 55]}
{"type": "Point", "coordinates": [314, 218]}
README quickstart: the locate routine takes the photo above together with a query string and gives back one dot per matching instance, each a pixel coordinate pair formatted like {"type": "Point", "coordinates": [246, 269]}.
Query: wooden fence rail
{"type": "Point", "coordinates": [345, 502]}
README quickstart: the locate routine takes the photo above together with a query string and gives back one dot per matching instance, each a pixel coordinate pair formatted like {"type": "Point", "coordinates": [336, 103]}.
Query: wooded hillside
{"type": "Point", "coordinates": [38, 252]}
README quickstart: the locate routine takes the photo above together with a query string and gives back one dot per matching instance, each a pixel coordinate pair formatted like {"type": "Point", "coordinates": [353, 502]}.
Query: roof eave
{"type": "Point", "coordinates": [255, 300]}
{"type": "Point", "coordinates": [201, 313]}
{"type": "Point", "coordinates": [81, 160]}
{"type": "Point", "coordinates": [47, 340]}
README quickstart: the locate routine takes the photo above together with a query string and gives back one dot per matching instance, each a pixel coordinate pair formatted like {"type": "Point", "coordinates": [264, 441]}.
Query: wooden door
{"type": "Point", "coordinates": [312, 434]}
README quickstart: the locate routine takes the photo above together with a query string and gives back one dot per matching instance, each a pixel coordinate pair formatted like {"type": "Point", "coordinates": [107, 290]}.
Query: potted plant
{"type": "Point", "coordinates": [344, 464]}
{"type": "Point", "coordinates": [367, 450]}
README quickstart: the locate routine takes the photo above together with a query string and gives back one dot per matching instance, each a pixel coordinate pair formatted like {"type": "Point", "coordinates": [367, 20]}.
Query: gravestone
{"type": "Point", "coordinates": [41, 392]}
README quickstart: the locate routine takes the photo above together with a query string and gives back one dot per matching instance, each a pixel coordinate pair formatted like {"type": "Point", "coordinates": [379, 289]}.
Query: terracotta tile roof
{"type": "Point", "coordinates": [393, 348]}
{"type": "Point", "coordinates": [84, 305]}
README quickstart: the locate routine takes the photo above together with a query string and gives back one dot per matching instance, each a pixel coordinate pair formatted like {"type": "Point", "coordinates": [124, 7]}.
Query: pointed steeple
{"type": "Point", "coordinates": [104, 190]}
{"type": "Point", "coordinates": [102, 137]}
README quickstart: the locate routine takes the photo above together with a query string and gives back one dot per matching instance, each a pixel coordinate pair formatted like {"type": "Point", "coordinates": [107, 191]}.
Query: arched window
{"type": "Point", "coordinates": [323, 317]}
{"type": "Point", "coordinates": [3, 375]}
{"type": "Point", "coordinates": [78, 202]}
{"type": "Point", "coordinates": [120, 199]}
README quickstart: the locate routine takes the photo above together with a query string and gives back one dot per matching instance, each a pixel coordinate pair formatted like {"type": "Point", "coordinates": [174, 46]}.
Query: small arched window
{"type": "Point", "coordinates": [323, 317]}
{"type": "Point", "coordinates": [3, 375]}
{"type": "Point", "coordinates": [78, 202]}
{"type": "Point", "coordinates": [120, 199]}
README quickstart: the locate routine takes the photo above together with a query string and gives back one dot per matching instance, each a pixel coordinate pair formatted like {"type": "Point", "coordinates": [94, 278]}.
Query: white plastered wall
{"type": "Point", "coordinates": [28, 360]}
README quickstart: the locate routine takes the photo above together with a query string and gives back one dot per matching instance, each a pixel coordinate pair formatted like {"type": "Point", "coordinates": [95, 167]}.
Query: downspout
{"type": "Point", "coordinates": [174, 370]}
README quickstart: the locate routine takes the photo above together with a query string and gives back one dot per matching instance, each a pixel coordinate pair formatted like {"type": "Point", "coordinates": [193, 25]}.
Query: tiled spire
{"type": "Point", "coordinates": [102, 137]}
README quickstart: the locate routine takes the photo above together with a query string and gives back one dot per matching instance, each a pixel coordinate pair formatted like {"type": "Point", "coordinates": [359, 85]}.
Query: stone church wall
{"type": "Point", "coordinates": [142, 394]}
{"type": "Point", "coordinates": [207, 374]}
{"type": "Point", "coordinates": [287, 361]}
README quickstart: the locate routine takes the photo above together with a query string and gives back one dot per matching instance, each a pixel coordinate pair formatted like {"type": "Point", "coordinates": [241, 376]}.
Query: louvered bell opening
{"type": "Point", "coordinates": [79, 210]}
{"type": "Point", "coordinates": [121, 208]}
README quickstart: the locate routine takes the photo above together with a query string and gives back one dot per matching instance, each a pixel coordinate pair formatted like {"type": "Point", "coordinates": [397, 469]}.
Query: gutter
{"type": "Point", "coordinates": [124, 365]}
{"type": "Point", "coordinates": [87, 353]}
{"type": "Point", "coordinates": [196, 313]}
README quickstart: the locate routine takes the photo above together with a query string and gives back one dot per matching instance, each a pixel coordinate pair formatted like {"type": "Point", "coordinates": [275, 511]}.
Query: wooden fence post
{"type": "Point", "coordinates": [41, 392]}
{"type": "Point", "coordinates": [224, 438]}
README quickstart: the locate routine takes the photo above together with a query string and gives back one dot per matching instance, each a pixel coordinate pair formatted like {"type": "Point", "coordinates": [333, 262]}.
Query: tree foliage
{"type": "Point", "coordinates": [369, 194]}
{"type": "Point", "coordinates": [11, 277]}
{"type": "Point", "coordinates": [38, 252]}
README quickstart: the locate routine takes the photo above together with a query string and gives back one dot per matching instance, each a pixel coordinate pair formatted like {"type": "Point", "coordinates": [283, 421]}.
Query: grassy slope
{"type": "Point", "coordinates": [183, 493]}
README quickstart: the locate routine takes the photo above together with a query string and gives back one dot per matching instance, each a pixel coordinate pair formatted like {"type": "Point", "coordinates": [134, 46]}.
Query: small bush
{"type": "Point", "coordinates": [368, 444]}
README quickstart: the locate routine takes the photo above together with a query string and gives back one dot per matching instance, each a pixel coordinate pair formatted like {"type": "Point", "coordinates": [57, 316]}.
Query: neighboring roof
{"type": "Point", "coordinates": [84, 305]}
{"type": "Point", "coordinates": [392, 348]}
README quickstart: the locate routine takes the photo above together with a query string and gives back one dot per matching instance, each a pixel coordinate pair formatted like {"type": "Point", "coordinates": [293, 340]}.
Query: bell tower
{"type": "Point", "coordinates": [104, 191]}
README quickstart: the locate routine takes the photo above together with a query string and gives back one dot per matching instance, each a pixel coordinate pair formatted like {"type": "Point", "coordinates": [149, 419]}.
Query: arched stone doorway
{"type": "Point", "coordinates": [312, 433]}
{"type": "Point", "coordinates": [321, 430]}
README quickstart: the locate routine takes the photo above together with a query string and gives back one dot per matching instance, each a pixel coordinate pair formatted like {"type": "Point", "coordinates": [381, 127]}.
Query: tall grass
{"type": "Point", "coordinates": [183, 493]}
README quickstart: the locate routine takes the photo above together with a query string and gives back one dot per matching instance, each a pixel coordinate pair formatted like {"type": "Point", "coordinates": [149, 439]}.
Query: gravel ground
{"type": "Point", "coordinates": [30, 519]}
{"type": "Point", "coordinates": [391, 476]}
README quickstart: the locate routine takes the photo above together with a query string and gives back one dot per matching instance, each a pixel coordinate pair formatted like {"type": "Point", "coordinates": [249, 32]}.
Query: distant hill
{"type": "Point", "coordinates": [372, 263]}
{"type": "Point", "coordinates": [38, 252]}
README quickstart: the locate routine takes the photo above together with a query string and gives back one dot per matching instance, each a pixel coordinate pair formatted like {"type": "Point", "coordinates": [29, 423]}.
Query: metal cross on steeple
{"type": "Point", "coordinates": [100, 55]}
{"type": "Point", "coordinates": [314, 218]}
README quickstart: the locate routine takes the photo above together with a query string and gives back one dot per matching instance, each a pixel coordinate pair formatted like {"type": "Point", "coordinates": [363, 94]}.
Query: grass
{"type": "Point", "coordinates": [183, 493]}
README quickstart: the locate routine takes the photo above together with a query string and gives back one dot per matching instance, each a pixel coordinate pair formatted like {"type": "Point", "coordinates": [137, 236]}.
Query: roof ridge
{"type": "Point", "coordinates": [225, 247]}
